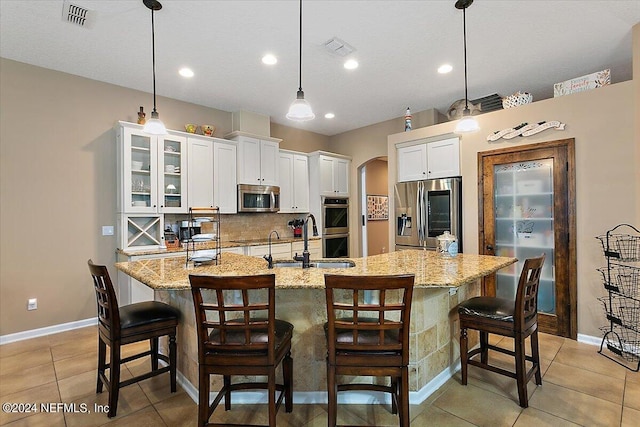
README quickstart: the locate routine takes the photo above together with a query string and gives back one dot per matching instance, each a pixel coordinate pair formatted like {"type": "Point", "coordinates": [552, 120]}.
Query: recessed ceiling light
{"type": "Point", "coordinates": [269, 59]}
{"type": "Point", "coordinates": [445, 68]}
{"type": "Point", "coordinates": [351, 64]}
{"type": "Point", "coordinates": [329, 116]}
{"type": "Point", "coordinates": [186, 72]}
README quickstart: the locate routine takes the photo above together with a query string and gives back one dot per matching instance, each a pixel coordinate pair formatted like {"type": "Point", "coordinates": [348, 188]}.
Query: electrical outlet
{"type": "Point", "coordinates": [32, 304]}
{"type": "Point", "coordinates": [107, 230]}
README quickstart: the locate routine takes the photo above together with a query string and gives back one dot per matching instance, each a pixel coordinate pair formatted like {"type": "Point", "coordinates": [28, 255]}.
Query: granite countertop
{"type": "Point", "coordinates": [211, 245]}
{"type": "Point", "coordinates": [430, 269]}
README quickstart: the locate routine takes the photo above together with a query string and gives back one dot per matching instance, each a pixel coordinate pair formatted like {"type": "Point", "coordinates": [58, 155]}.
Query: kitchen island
{"type": "Point", "coordinates": [440, 284]}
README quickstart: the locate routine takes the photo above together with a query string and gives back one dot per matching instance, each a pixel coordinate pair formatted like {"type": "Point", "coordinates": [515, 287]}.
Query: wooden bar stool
{"type": "Point", "coordinates": [118, 326]}
{"type": "Point", "coordinates": [519, 320]}
{"type": "Point", "coordinates": [369, 338]}
{"type": "Point", "coordinates": [241, 336]}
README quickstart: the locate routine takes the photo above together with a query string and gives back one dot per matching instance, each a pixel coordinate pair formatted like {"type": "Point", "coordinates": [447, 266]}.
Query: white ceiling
{"type": "Point", "coordinates": [513, 45]}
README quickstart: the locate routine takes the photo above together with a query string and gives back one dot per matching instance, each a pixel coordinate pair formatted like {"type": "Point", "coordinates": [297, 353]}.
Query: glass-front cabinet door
{"type": "Point", "coordinates": [526, 198]}
{"type": "Point", "coordinates": [152, 172]}
{"type": "Point", "coordinates": [172, 170]}
{"type": "Point", "coordinates": [524, 211]}
{"type": "Point", "coordinates": [139, 164]}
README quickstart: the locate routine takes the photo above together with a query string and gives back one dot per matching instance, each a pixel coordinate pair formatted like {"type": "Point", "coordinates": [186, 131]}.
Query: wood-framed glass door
{"type": "Point", "coordinates": [527, 199]}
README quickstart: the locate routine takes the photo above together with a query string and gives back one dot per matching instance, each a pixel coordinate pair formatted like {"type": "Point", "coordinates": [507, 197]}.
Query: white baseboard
{"type": "Point", "coordinates": [320, 397]}
{"type": "Point", "coordinates": [34, 333]}
{"type": "Point", "coordinates": [588, 339]}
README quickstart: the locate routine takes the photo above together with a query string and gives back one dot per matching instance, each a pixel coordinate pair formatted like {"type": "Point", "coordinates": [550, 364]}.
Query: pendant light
{"type": "Point", "coordinates": [467, 123]}
{"type": "Point", "coordinates": [300, 110]}
{"type": "Point", "coordinates": [154, 126]}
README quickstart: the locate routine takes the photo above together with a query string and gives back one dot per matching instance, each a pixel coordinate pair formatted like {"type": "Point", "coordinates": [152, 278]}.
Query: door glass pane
{"type": "Point", "coordinates": [172, 174]}
{"type": "Point", "coordinates": [141, 172]}
{"type": "Point", "coordinates": [523, 196]}
{"type": "Point", "coordinates": [439, 212]}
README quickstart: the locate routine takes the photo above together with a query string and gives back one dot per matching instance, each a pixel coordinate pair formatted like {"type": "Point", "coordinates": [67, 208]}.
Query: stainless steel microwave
{"type": "Point", "coordinates": [258, 198]}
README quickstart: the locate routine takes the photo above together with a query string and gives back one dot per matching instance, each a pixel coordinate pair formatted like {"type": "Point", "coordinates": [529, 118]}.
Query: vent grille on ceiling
{"type": "Point", "coordinates": [338, 47]}
{"type": "Point", "coordinates": [488, 103]}
{"type": "Point", "coordinates": [77, 15]}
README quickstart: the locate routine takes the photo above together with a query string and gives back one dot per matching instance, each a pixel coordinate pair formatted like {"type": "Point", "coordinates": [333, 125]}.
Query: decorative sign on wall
{"type": "Point", "coordinates": [580, 84]}
{"type": "Point", "coordinates": [525, 129]}
{"type": "Point", "coordinates": [377, 208]}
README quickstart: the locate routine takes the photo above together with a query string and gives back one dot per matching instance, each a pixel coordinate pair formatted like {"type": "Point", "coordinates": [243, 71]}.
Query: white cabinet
{"type": "Point", "coordinates": [294, 182]}
{"type": "Point", "coordinates": [200, 172]}
{"type": "Point", "coordinates": [428, 160]}
{"type": "Point", "coordinates": [330, 173]}
{"type": "Point", "coordinates": [151, 171]}
{"type": "Point", "coordinates": [278, 250]}
{"type": "Point", "coordinates": [225, 194]}
{"type": "Point", "coordinates": [212, 173]}
{"type": "Point", "coordinates": [257, 160]}
{"type": "Point", "coordinates": [140, 231]}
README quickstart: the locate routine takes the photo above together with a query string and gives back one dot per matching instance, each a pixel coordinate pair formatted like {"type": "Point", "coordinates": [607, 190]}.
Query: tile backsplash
{"type": "Point", "coordinates": [244, 226]}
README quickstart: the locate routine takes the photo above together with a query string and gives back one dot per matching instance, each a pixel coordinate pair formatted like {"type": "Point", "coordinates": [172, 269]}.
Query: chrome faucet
{"type": "Point", "coordinates": [268, 257]}
{"type": "Point", "coordinates": [305, 235]}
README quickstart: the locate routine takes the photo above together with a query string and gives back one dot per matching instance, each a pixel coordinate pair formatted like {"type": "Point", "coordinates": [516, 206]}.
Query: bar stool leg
{"type": "Point", "coordinates": [287, 371]}
{"type": "Point", "coordinates": [203, 396]}
{"type": "Point", "coordinates": [463, 354]}
{"type": "Point", "coordinates": [102, 357]}
{"type": "Point", "coordinates": [173, 361]}
{"type": "Point", "coordinates": [153, 345]}
{"type": "Point", "coordinates": [521, 370]}
{"type": "Point", "coordinates": [114, 378]}
{"type": "Point", "coordinates": [404, 398]}
{"type": "Point", "coordinates": [332, 392]}
{"type": "Point", "coordinates": [226, 381]}
{"type": "Point", "coordinates": [535, 353]}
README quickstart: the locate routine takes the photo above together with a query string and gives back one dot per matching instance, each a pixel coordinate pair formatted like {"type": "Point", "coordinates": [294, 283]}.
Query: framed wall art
{"type": "Point", "coordinates": [377, 208]}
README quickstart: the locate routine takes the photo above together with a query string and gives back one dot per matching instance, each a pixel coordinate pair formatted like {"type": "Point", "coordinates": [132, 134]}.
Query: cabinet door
{"type": "Point", "coordinates": [139, 160]}
{"type": "Point", "coordinates": [200, 175]}
{"type": "Point", "coordinates": [287, 180]}
{"type": "Point", "coordinates": [249, 161]}
{"type": "Point", "coordinates": [278, 250]}
{"type": "Point", "coordinates": [326, 175]}
{"type": "Point", "coordinates": [443, 158]}
{"type": "Point", "coordinates": [341, 176]}
{"type": "Point", "coordinates": [172, 172]}
{"type": "Point", "coordinates": [269, 154]}
{"type": "Point", "coordinates": [412, 163]}
{"type": "Point", "coordinates": [527, 197]}
{"type": "Point", "coordinates": [300, 183]}
{"type": "Point", "coordinates": [225, 194]}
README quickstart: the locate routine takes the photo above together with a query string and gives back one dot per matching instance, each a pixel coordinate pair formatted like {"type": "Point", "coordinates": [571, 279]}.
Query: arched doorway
{"type": "Point", "coordinates": [372, 192]}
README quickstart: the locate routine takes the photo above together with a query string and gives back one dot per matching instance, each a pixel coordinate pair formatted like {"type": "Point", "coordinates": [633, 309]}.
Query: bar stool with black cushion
{"type": "Point", "coordinates": [519, 320]}
{"type": "Point", "coordinates": [368, 335]}
{"type": "Point", "coordinates": [118, 326]}
{"type": "Point", "coordinates": [238, 334]}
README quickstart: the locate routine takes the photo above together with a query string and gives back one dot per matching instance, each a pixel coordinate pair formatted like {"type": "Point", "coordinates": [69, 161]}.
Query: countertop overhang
{"type": "Point", "coordinates": [430, 269]}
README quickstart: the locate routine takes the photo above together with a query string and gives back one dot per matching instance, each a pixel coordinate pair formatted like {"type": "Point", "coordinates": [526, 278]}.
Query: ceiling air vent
{"type": "Point", "coordinates": [77, 15]}
{"type": "Point", "coordinates": [338, 47]}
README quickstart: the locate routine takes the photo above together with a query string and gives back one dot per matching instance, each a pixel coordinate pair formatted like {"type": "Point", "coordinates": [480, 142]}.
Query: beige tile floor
{"type": "Point", "coordinates": [580, 387]}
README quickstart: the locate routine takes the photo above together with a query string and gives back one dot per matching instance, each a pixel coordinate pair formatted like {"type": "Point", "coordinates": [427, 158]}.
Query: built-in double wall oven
{"type": "Point", "coordinates": [335, 227]}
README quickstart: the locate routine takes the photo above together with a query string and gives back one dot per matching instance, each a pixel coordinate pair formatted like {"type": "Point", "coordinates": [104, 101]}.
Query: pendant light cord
{"type": "Point", "coordinates": [464, 36]}
{"type": "Point", "coordinates": [300, 62]}
{"type": "Point", "coordinates": [153, 56]}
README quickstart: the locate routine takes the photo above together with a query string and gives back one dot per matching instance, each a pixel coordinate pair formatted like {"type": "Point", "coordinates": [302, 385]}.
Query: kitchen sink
{"type": "Point", "coordinates": [315, 264]}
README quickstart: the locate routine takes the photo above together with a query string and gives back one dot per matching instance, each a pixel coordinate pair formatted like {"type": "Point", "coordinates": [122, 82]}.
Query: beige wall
{"type": "Point", "coordinates": [299, 140]}
{"type": "Point", "coordinates": [376, 185]}
{"type": "Point", "coordinates": [606, 169]}
{"type": "Point", "coordinates": [57, 185]}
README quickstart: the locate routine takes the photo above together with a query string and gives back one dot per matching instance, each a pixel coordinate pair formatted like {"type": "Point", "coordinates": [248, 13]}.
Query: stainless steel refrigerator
{"type": "Point", "coordinates": [425, 210]}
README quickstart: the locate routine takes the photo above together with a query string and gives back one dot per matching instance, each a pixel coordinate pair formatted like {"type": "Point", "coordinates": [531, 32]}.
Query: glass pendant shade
{"type": "Point", "coordinates": [300, 110]}
{"type": "Point", "coordinates": [154, 125]}
{"type": "Point", "coordinates": [467, 124]}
